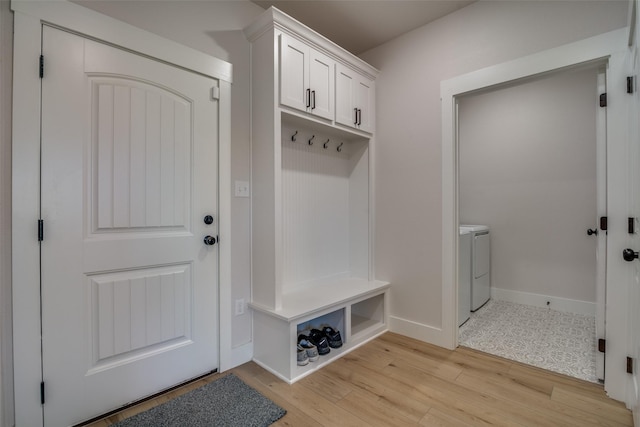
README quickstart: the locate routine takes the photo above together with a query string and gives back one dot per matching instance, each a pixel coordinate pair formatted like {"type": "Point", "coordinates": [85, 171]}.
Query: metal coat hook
{"type": "Point", "coordinates": [326, 144]}
{"type": "Point", "coordinates": [311, 140]}
{"type": "Point", "coordinates": [293, 137]}
{"type": "Point", "coordinates": [340, 147]}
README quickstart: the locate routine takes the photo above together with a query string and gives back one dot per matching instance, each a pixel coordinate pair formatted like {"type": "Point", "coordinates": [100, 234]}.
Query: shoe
{"type": "Point", "coordinates": [310, 348]}
{"type": "Point", "coordinates": [317, 337]}
{"type": "Point", "coordinates": [333, 336]}
{"type": "Point", "coordinates": [302, 356]}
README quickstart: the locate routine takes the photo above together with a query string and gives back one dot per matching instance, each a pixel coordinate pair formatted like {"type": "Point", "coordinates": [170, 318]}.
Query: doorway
{"type": "Point", "coordinates": [528, 170]}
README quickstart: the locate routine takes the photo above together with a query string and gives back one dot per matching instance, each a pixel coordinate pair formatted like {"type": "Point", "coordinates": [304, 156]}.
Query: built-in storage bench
{"type": "Point", "coordinates": [313, 138]}
{"type": "Point", "coordinates": [355, 307]}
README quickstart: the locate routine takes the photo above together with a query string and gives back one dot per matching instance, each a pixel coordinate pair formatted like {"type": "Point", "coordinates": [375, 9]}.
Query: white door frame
{"type": "Point", "coordinates": [28, 19]}
{"type": "Point", "coordinates": [605, 47]}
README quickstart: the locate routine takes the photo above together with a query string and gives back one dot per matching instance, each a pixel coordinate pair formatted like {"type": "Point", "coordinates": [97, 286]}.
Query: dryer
{"type": "Point", "coordinates": [464, 276]}
{"type": "Point", "coordinates": [480, 264]}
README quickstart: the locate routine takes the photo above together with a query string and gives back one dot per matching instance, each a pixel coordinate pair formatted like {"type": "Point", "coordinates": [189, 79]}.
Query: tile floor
{"type": "Point", "coordinates": [549, 339]}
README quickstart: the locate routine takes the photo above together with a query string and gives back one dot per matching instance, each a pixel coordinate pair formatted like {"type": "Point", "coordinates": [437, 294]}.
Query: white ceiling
{"type": "Point", "coordinates": [359, 25]}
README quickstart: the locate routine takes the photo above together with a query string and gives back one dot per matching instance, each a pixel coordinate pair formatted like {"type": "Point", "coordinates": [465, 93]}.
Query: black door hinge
{"type": "Point", "coordinates": [631, 225]}
{"type": "Point", "coordinates": [42, 393]}
{"type": "Point", "coordinates": [41, 66]}
{"type": "Point", "coordinates": [602, 345]}
{"type": "Point", "coordinates": [630, 82]}
{"type": "Point", "coordinates": [603, 223]}
{"type": "Point", "coordinates": [629, 365]}
{"type": "Point", "coordinates": [40, 230]}
{"type": "Point", "coordinates": [603, 99]}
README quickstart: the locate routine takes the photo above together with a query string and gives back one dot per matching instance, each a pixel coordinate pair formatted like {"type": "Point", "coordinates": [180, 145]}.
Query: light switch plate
{"type": "Point", "coordinates": [242, 188]}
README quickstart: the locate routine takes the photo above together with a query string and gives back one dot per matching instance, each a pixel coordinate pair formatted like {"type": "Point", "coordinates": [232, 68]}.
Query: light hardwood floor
{"type": "Point", "coordinates": [397, 381]}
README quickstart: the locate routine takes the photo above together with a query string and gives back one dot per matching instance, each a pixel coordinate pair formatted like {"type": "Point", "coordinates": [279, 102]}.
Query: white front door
{"type": "Point", "coordinates": [129, 171]}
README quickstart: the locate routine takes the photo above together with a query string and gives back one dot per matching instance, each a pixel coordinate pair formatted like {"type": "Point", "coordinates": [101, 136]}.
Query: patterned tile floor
{"type": "Point", "coordinates": [549, 339]}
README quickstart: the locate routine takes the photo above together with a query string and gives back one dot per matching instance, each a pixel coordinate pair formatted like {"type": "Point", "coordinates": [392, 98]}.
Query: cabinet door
{"type": "Point", "coordinates": [354, 99]}
{"type": "Point", "coordinates": [321, 83]}
{"type": "Point", "coordinates": [364, 102]}
{"type": "Point", "coordinates": [345, 88]}
{"type": "Point", "coordinates": [294, 63]}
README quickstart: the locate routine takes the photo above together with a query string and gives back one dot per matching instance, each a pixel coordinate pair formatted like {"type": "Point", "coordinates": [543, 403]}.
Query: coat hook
{"type": "Point", "coordinates": [293, 137]}
{"type": "Point", "coordinates": [326, 144]}
{"type": "Point", "coordinates": [311, 140]}
{"type": "Point", "coordinates": [340, 147]}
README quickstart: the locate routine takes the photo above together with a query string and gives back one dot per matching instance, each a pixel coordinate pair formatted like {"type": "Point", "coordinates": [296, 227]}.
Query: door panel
{"type": "Point", "coordinates": [294, 60]}
{"type": "Point", "coordinates": [321, 75]}
{"type": "Point", "coordinates": [129, 290]}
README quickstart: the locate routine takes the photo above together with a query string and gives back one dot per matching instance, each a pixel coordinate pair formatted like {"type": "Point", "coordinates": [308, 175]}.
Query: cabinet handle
{"type": "Point", "coordinates": [359, 116]}
{"type": "Point", "coordinates": [355, 110]}
{"type": "Point", "coordinates": [313, 96]}
{"type": "Point", "coordinates": [308, 98]}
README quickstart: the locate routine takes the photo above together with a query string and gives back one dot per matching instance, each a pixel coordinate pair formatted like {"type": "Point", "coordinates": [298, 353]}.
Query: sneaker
{"type": "Point", "coordinates": [317, 337]}
{"type": "Point", "coordinates": [302, 356]}
{"type": "Point", "coordinates": [312, 350]}
{"type": "Point", "coordinates": [333, 336]}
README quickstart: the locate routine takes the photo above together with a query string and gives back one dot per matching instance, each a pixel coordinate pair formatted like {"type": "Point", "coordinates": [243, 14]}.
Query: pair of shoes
{"type": "Point", "coordinates": [309, 348]}
{"type": "Point", "coordinates": [333, 337]}
{"type": "Point", "coordinates": [317, 339]}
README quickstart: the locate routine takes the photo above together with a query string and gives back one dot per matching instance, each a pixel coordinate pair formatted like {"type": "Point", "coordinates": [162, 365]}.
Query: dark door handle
{"type": "Point", "coordinates": [629, 254]}
{"type": "Point", "coordinates": [209, 240]}
{"type": "Point", "coordinates": [355, 110]}
{"type": "Point", "coordinates": [313, 97]}
{"type": "Point", "coordinates": [308, 98]}
{"type": "Point", "coordinates": [591, 232]}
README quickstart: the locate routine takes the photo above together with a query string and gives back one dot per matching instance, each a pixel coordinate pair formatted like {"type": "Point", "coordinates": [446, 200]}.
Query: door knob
{"type": "Point", "coordinates": [208, 220]}
{"type": "Point", "coordinates": [629, 254]}
{"type": "Point", "coordinates": [209, 240]}
{"type": "Point", "coordinates": [591, 232]}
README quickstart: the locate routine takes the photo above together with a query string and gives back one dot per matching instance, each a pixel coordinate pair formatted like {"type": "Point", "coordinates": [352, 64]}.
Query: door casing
{"type": "Point", "coordinates": [28, 19]}
{"type": "Point", "coordinates": [608, 47]}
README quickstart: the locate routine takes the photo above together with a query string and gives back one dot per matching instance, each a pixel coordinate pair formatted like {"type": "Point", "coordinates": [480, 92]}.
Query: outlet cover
{"type": "Point", "coordinates": [240, 307]}
{"type": "Point", "coordinates": [242, 189]}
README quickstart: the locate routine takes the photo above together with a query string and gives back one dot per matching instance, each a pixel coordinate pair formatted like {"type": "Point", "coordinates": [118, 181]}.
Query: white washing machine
{"type": "Point", "coordinates": [480, 264]}
{"type": "Point", "coordinates": [464, 276]}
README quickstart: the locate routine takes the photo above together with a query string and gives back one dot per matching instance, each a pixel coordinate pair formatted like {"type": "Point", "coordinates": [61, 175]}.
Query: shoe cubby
{"type": "Point", "coordinates": [276, 335]}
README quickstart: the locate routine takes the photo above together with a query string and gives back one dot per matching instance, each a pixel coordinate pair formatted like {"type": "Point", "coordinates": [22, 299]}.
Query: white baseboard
{"type": "Point", "coordinates": [555, 303]}
{"type": "Point", "coordinates": [419, 331]}
{"type": "Point", "coordinates": [241, 354]}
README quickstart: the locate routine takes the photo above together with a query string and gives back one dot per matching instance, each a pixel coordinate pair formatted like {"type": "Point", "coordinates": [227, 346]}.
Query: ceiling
{"type": "Point", "coordinates": [359, 25]}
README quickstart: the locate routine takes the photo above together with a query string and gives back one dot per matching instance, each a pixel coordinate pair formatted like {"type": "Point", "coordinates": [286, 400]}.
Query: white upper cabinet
{"type": "Point", "coordinates": [306, 78]}
{"type": "Point", "coordinates": [354, 99]}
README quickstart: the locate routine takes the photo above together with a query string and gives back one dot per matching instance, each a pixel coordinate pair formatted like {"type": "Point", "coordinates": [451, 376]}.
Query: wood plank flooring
{"type": "Point", "coordinates": [398, 381]}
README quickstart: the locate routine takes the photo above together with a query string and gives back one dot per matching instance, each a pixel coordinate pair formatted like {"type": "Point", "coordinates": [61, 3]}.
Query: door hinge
{"type": "Point", "coordinates": [602, 345]}
{"type": "Point", "coordinates": [215, 93]}
{"type": "Point", "coordinates": [40, 230]}
{"type": "Point", "coordinates": [631, 225]}
{"type": "Point", "coordinates": [630, 81]}
{"type": "Point", "coordinates": [629, 365]}
{"type": "Point", "coordinates": [603, 223]}
{"type": "Point", "coordinates": [42, 393]}
{"type": "Point", "coordinates": [41, 66]}
{"type": "Point", "coordinates": [603, 99]}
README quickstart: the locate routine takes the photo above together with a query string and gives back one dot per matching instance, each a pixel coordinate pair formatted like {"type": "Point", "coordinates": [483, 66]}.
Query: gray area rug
{"type": "Point", "coordinates": [224, 402]}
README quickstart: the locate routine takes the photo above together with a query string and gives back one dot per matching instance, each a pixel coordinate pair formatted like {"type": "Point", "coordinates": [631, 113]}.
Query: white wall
{"type": "Point", "coordinates": [176, 20]}
{"type": "Point", "coordinates": [408, 166]}
{"type": "Point", "coordinates": [528, 170]}
{"type": "Point", "coordinates": [6, 349]}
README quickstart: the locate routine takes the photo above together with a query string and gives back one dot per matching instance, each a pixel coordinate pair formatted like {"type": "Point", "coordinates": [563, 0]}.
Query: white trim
{"type": "Point", "coordinates": [242, 354]}
{"type": "Point", "coordinates": [417, 331]}
{"type": "Point", "coordinates": [566, 305]}
{"type": "Point", "coordinates": [28, 20]}
{"type": "Point", "coordinates": [102, 27]}
{"type": "Point", "coordinates": [224, 227]}
{"type": "Point", "coordinates": [593, 49]}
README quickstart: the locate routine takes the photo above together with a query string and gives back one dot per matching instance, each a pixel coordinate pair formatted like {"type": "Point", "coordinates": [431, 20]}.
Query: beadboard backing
{"type": "Point", "coordinates": [324, 208]}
